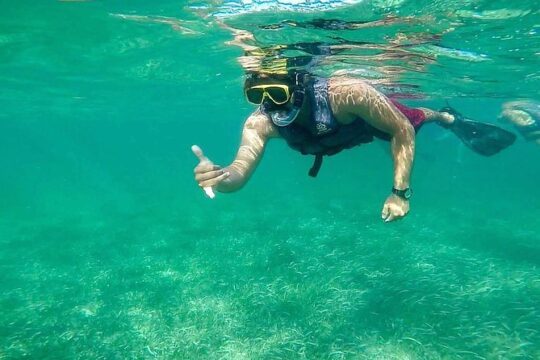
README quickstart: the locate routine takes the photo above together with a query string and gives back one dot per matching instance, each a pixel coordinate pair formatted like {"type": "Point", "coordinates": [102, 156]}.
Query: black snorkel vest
{"type": "Point", "coordinates": [322, 134]}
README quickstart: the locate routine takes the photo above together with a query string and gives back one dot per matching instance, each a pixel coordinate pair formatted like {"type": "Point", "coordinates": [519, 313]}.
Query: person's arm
{"type": "Point", "coordinates": [517, 117]}
{"type": "Point", "coordinates": [355, 98]}
{"type": "Point", "coordinates": [352, 98]}
{"type": "Point", "coordinates": [258, 129]}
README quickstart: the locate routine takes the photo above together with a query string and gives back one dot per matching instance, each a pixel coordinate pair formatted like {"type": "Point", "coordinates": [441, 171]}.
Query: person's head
{"type": "Point", "coordinates": [279, 95]}
{"type": "Point", "coordinates": [278, 88]}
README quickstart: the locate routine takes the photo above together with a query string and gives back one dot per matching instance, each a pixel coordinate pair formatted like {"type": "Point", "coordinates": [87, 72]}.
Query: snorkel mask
{"type": "Point", "coordinates": [273, 98]}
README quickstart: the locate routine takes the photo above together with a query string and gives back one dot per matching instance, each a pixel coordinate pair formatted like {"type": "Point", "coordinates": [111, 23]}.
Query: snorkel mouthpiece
{"type": "Point", "coordinates": [285, 117]}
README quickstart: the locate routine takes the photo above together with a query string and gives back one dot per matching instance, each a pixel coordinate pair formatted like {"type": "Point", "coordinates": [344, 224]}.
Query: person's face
{"type": "Point", "coordinates": [273, 93]}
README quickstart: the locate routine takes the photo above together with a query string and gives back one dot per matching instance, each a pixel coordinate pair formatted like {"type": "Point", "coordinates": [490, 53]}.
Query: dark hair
{"type": "Point", "coordinates": [256, 78]}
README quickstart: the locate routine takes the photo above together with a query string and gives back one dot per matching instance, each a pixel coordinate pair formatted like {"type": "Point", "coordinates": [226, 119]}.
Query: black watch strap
{"type": "Point", "coordinates": [405, 194]}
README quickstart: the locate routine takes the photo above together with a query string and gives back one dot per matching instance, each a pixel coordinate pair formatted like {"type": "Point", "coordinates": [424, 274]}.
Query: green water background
{"type": "Point", "coordinates": [109, 250]}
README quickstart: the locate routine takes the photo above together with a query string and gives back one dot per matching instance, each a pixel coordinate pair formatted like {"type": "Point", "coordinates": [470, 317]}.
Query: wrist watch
{"type": "Point", "coordinates": [405, 194]}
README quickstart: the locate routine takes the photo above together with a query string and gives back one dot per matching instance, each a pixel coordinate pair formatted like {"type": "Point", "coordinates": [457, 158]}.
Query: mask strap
{"type": "Point", "coordinates": [300, 78]}
{"type": "Point", "coordinates": [298, 93]}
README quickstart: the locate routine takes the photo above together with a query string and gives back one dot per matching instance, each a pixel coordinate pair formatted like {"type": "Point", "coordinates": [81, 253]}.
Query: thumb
{"type": "Point", "coordinates": [385, 211]}
{"type": "Point", "coordinates": [198, 153]}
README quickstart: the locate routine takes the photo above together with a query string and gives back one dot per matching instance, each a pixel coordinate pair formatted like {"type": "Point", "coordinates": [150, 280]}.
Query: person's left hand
{"type": "Point", "coordinates": [394, 208]}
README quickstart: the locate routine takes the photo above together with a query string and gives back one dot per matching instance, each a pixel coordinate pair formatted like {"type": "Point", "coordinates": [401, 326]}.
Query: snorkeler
{"type": "Point", "coordinates": [525, 116]}
{"type": "Point", "coordinates": [319, 116]}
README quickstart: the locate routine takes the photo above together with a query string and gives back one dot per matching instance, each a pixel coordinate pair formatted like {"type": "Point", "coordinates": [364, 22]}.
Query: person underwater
{"type": "Point", "coordinates": [524, 115]}
{"type": "Point", "coordinates": [324, 116]}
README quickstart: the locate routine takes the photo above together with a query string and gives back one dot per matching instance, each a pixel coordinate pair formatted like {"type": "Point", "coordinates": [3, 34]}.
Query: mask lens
{"type": "Point", "coordinates": [278, 95]}
{"type": "Point", "coordinates": [255, 95]}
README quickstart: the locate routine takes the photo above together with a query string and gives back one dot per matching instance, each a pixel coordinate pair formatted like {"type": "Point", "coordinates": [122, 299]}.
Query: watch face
{"type": "Point", "coordinates": [404, 194]}
{"type": "Point", "coordinates": [407, 193]}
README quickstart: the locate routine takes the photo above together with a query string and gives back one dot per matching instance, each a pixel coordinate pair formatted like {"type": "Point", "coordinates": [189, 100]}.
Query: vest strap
{"type": "Point", "coordinates": [316, 165]}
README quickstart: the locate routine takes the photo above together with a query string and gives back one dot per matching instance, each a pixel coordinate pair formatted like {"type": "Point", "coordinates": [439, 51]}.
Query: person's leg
{"type": "Point", "coordinates": [417, 117]}
{"type": "Point", "coordinates": [420, 116]}
{"type": "Point", "coordinates": [485, 139]}
{"type": "Point", "coordinates": [441, 117]}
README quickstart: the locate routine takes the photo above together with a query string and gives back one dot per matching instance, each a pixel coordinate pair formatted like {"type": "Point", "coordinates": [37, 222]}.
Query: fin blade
{"type": "Point", "coordinates": [484, 139]}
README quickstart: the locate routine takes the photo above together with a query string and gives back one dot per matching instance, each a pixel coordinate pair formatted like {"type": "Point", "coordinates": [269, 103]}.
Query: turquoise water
{"type": "Point", "coordinates": [108, 249]}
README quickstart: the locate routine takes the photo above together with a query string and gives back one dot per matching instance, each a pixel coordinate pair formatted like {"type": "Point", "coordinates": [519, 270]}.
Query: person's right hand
{"type": "Point", "coordinates": [207, 174]}
{"type": "Point", "coordinates": [394, 208]}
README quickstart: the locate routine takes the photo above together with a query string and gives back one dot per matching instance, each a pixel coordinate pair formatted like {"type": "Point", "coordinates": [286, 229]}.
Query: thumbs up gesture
{"type": "Point", "coordinates": [207, 174]}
